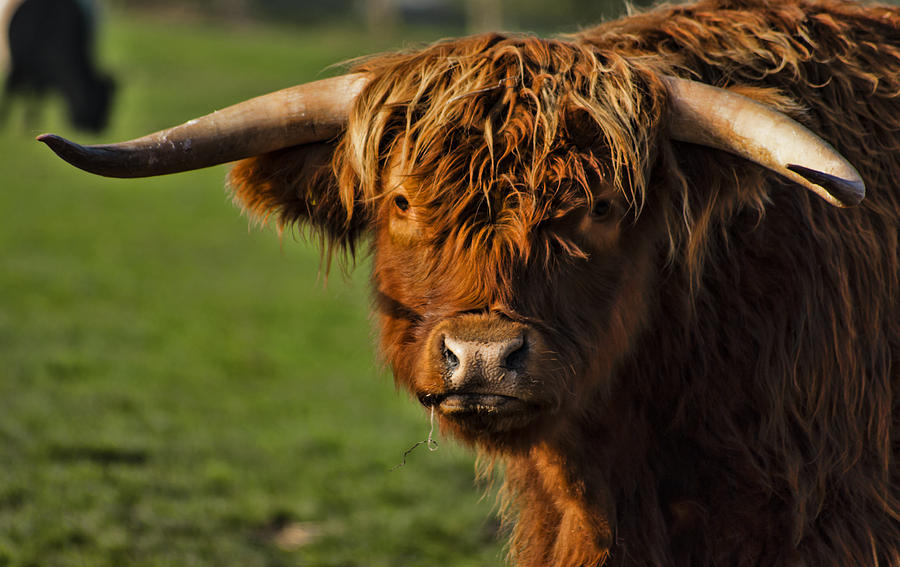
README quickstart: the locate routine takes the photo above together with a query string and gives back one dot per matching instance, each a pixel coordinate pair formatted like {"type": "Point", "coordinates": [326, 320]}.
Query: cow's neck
{"type": "Point", "coordinates": [565, 491]}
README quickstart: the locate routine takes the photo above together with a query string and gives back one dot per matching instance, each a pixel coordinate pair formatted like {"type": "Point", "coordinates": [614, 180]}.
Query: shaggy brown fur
{"type": "Point", "coordinates": [719, 352]}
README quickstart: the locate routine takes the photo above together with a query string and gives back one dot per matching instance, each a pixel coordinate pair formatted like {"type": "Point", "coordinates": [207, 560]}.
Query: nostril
{"type": "Point", "coordinates": [516, 359]}
{"type": "Point", "coordinates": [451, 361]}
{"type": "Point", "coordinates": [428, 400]}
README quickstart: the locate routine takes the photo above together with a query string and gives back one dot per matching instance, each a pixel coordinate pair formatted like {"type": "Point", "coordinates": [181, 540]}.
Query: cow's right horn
{"type": "Point", "coordinates": [306, 113]}
{"type": "Point", "coordinates": [714, 117]}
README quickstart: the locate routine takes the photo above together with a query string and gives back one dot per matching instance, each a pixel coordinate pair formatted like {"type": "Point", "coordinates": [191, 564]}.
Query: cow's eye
{"type": "Point", "coordinates": [401, 202]}
{"type": "Point", "coordinates": [601, 209]}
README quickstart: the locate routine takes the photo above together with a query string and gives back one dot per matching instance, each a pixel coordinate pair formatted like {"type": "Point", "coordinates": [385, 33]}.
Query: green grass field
{"type": "Point", "coordinates": [179, 388]}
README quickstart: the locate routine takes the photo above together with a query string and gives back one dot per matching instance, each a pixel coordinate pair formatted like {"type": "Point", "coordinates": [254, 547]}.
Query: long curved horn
{"type": "Point", "coordinates": [709, 116]}
{"type": "Point", "coordinates": [297, 115]}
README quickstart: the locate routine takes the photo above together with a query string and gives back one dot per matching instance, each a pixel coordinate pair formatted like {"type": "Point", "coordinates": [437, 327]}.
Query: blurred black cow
{"type": "Point", "coordinates": [50, 48]}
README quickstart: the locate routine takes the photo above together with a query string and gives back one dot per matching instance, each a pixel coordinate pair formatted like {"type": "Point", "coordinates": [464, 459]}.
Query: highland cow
{"type": "Point", "coordinates": [650, 269]}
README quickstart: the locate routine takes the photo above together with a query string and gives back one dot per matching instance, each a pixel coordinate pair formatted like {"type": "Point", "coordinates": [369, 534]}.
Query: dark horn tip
{"type": "Point", "coordinates": [99, 160]}
{"type": "Point", "coordinates": [848, 192]}
{"type": "Point", "coordinates": [56, 143]}
{"type": "Point", "coordinates": [69, 151]}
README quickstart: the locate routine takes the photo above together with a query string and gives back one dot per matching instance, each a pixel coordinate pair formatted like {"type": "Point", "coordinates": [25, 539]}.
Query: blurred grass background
{"type": "Point", "coordinates": [179, 388]}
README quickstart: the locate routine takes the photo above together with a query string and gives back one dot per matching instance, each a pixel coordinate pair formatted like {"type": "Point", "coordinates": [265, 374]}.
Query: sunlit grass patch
{"type": "Point", "coordinates": [177, 388]}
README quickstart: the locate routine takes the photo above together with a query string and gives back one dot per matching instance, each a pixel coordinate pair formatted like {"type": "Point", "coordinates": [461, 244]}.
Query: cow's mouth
{"type": "Point", "coordinates": [482, 412]}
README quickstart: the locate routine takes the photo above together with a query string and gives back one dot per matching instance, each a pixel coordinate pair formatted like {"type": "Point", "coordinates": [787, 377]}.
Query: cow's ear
{"type": "Point", "coordinates": [297, 187]}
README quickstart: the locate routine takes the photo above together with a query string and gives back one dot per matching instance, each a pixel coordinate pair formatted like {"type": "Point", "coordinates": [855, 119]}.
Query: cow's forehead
{"type": "Point", "coordinates": [463, 179]}
{"type": "Point", "coordinates": [500, 119]}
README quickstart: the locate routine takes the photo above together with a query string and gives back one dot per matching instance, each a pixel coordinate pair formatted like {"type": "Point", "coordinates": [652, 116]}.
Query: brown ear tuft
{"type": "Point", "coordinates": [296, 185]}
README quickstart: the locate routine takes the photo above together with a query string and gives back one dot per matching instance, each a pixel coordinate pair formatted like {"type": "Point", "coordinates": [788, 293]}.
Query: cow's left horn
{"type": "Point", "coordinates": [302, 114]}
{"type": "Point", "coordinates": [714, 117]}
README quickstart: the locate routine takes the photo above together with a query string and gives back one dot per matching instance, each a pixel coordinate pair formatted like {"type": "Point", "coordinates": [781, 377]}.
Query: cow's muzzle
{"type": "Point", "coordinates": [484, 372]}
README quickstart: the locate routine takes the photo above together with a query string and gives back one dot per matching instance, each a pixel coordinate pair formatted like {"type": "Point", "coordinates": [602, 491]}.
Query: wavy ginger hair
{"type": "Point", "coordinates": [514, 126]}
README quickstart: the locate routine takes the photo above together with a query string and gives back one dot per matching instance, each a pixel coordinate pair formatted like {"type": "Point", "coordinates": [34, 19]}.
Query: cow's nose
{"type": "Point", "coordinates": [470, 361]}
